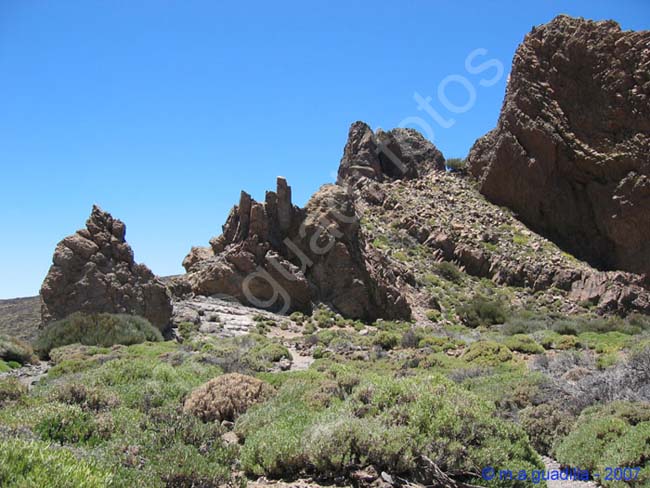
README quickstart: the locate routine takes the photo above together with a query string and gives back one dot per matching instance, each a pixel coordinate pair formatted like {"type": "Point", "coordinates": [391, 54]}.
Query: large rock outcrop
{"type": "Point", "coordinates": [277, 256]}
{"type": "Point", "coordinates": [94, 271]}
{"type": "Point", "coordinates": [381, 156]}
{"type": "Point", "coordinates": [571, 150]}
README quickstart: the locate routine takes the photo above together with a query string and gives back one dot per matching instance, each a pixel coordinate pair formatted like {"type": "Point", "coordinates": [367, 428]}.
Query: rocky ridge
{"type": "Point", "coordinates": [278, 256]}
{"type": "Point", "coordinates": [570, 151]}
{"type": "Point", "coordinates": [94, 271]}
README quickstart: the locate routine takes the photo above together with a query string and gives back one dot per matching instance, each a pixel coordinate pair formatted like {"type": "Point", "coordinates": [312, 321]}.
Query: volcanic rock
{"type": "Point", "coordinates": [94, 271]}
{"type": "Point", "coordinates": [277, 256]}
{"type": "Point", "coordinates": [396, 154]}
{"type": "Point", "coordinates": [570, 150]}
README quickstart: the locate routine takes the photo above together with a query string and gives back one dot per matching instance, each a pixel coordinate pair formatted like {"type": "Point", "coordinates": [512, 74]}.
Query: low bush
{"type": "Point", "coordinates": [585, 445]}
{"type": "Point", "coordinates": [606, 433]}
{"type": "Point", "coordinates": [546, 424]}
{"type": "Point", "coordinates": [482, 311]}
{"type": "Point", "coordinates": [386, 340]}
{"type": "Point", "coordinates": [449, 271]}
{"type": "Point", "coordinates": [227, 397]}
{"type": "Point", "coordinates": [412, 337]}
{"type": "Point", "coordinates": [630, 450]}
{"type": "Point", "coordinates": [93, 399]}
{"type": "Point", "coordinates": [456, 165]}
{"type": "Point", "coordinates": [96, 330]}
{"type": "Point", "coordinates": [31, 463]}
{"type": "Point", "coordinates": [523, 343]}
{"type": "Point", "coordinates": [11, 390]}
{"type": "Point", "coordinates": [13, 350]}
{"type": "Point", "coordinates": [74, 426]}
{"type": "Point", "coordinates": [487, 353]}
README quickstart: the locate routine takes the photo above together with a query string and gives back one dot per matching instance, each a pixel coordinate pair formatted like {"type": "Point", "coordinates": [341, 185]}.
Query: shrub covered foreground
{"type": "Point", "coordinates": [386, 422]}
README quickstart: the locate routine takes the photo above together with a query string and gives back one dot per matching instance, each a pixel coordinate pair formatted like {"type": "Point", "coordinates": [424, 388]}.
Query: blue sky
{"type": "Point", "coordinates": [162, 111]}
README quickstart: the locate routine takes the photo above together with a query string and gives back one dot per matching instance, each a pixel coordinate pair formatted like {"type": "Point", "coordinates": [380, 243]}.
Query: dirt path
{"type": "Point", "coordinates": [551, 464]}
{"type": "Point", "coordinates": [29, 375]}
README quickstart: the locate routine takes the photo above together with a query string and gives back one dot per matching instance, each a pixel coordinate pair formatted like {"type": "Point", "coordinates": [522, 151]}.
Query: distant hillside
{"type": "Point", "coordinates": [20, 317]}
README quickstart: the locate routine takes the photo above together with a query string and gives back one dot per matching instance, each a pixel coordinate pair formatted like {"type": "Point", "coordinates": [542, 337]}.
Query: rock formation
{"type": "Point", "coordinates": [397, 154]}
{"type": "Point", "coordinates": [94, 271]}
{"type": "Point", "coordinates": [570, 153]}
{"type": "Point", "coordinates": [275, 255]}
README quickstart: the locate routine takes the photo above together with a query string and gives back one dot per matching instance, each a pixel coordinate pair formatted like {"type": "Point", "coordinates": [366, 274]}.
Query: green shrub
{"type": "Point", "coordinates": [433, 315]}
{"type": "Point", "coordinates": [487, 353]}
{"type": "Point", "coordinates": [186, 329]}
{"type": "Point", "coordinates": [600, 431]}
{"type": "Point", "coordinates": [456, 165]}
{"type": "Point", "coordinates": [96, 330]}
{"type": "Point", "coordinates": [482, 311]}
{"type": "Point", "coordinates": [585, 446]}
{"type": "Point", "coordinates": [630, 450]}
{"type": "Point", "coordinates": [13, 350]}
{"type": "Point", "coordinates": [93, 399]}
{"type": "Point", "coordinates": [74, 426]}
{"type": "Point", "coordinates": [11, 390]}
{"type": "Point", "coordinates": [386, 340]}
{"type": "Point", "coordinates": [523, 343]}
{"type": "Point", "coordinates": [271, 352]}
{"type": "Point", "coordinates": [412, 337]}
{"type": "Point", "coordinates": [546, 424]}
{"type": "Point", "coordinates": [29, 463]}
{"type": "Point", "coordinates": [449, 271]}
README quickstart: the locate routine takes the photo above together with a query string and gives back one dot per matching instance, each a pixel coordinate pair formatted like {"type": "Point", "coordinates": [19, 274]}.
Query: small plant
{"type": "Point", "coordinates": [227, 397]}
{"type": "Point", "coordinates": [386, 340]}
{"type": "Point", "coordinates": [456, 165]}
{"type": "Point", "coordinates": [11, 390]}
{"type": "Point", "coordinates": [482, 311]}
{"type": "Point", "coordinates": [186, 329]}
{"type": "Point", "coordinates": [523, 343]}
{"type": "Point", "coordinates": [433, 315]}
{"type": "Point", "coordinates": [449, 271]}
{"type": "Point", "coordinates": [487, 353]}
{"type": "Point", "coordinates": [72, 426]}
{"type": "Point", "coordinates": [546, 424]}
{"type": "Point", "coordinates": [93, 399]}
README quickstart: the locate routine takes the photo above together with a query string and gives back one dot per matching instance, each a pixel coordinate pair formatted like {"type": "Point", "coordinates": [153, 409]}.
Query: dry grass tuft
{"type": "Point", "coordinates": [227, 397]}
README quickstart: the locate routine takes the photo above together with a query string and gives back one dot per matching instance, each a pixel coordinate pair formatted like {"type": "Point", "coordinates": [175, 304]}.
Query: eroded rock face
{"type": "Point", "coordinates": [396, 154]}
{"type": "Point", "coordinates": [277, 256]}
{"type": "Point", "coordinates": [94, 271]}
{"type": "Point", "coordinates": [570, 153]}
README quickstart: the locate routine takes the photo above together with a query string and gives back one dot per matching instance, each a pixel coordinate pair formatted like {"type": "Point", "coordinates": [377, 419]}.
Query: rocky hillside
{"type": "Point", "coordinates": [20, 317]}
{"type": "Point", "coordinates": [570, 151]}
{"type": "Point", "coordinates": [402, 330]}
{"type": "Point", "coordinates": [366, 248]}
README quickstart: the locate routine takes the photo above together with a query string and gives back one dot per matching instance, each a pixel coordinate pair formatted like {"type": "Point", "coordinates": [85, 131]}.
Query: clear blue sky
{"type": "Point", "coordinates": [162, 111]}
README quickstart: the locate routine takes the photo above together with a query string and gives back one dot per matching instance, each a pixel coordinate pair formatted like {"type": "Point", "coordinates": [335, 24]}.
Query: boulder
{"type": "Point", "coordinates": [396, 154]}
{"type": "Point", "coordinates": [570, 151]}
{"type": "Point", "coordinates": [94, 271]}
